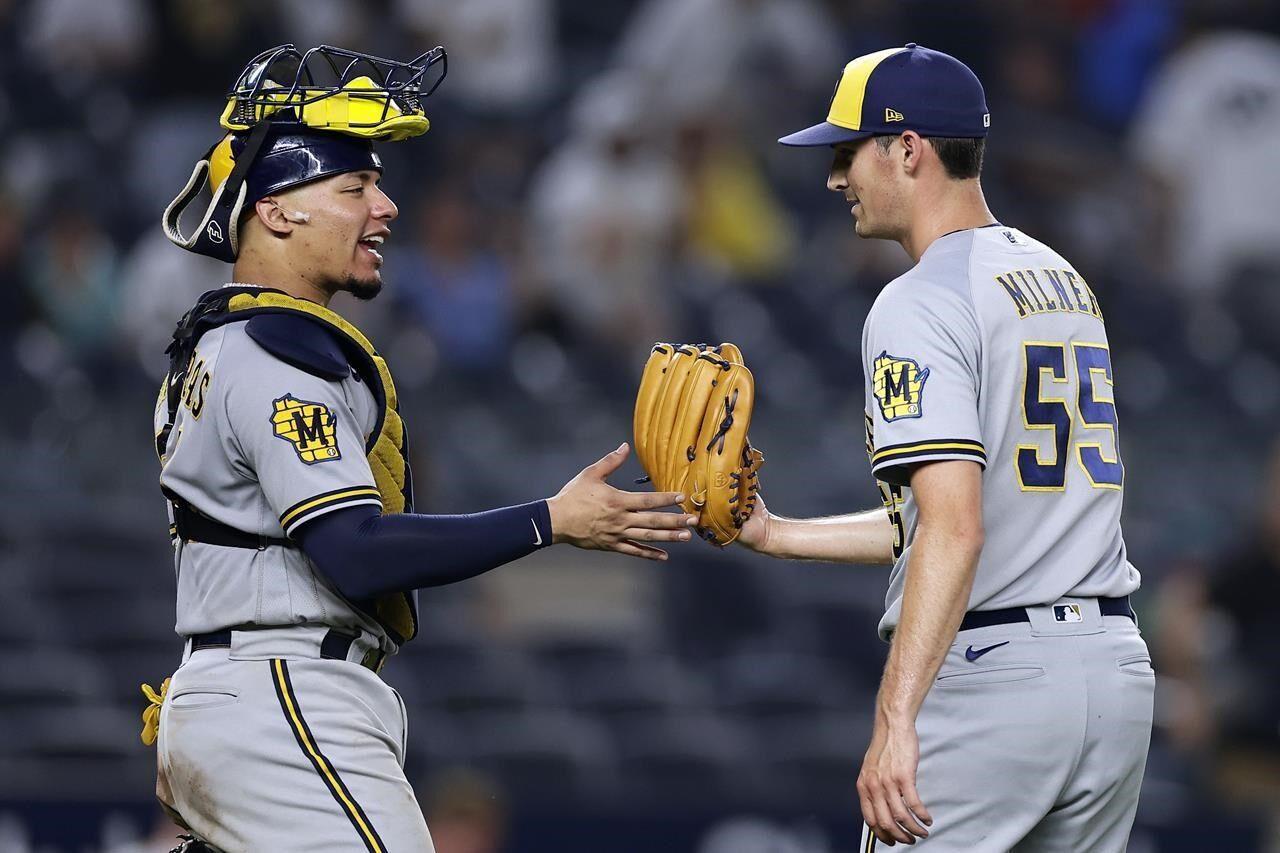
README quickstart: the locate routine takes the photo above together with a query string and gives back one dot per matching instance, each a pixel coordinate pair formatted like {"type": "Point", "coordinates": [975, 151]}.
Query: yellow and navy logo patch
{"type": "Point", "coordinates": [892, 115]}
{"type": "Point", "coordinates": [898, 385]}
{"type": "Point", "coordinates": [309, 427]}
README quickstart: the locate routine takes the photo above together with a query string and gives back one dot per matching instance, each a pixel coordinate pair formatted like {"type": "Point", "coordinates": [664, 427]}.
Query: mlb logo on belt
{"type": "Point", "coordinates": [1067, 613]}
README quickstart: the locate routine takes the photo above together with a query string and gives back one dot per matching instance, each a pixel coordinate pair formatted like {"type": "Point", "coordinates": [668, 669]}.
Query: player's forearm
{"type": "Point", "coordinates": [365, 554]}
{"type": "Point", "coordinates": [864, 537]}
{"type": "Point", "coordinates": [940, 571]}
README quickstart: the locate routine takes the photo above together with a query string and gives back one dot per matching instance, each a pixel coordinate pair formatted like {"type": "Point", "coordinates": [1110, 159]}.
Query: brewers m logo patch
{"type": "Point", "coordinates": [898, 385]}
{"type": "Point", "coordinates": [309, 427]}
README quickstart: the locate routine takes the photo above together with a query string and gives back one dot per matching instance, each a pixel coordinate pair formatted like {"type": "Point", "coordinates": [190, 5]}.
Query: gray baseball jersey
{"type": "Point", "coordinates": [992, 349]}
{"type": "Point", "coordinates": [263, 447]}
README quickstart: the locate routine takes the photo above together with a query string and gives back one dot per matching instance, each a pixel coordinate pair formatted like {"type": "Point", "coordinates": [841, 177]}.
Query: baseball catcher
{"type": "Point", "coordinates": [299, 549]}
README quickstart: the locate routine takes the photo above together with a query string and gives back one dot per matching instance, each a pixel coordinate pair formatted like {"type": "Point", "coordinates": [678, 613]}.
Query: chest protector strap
{"type": "Point", "coordinates": [386, 447]}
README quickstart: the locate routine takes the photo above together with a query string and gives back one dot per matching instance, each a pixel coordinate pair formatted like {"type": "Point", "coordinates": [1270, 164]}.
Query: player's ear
{"type": "Point", "coordinates": [912, 151]}
{"type": "Point", "coordinates": [272, 215]}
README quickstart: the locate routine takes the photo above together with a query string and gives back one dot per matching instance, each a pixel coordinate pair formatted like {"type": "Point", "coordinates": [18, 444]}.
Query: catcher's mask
{"type": "Point", "coordinates": [296, 117]}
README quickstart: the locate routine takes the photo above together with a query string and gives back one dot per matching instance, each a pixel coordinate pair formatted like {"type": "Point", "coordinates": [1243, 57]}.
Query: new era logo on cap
{"type": "Point", "coordinates": [892, 115]}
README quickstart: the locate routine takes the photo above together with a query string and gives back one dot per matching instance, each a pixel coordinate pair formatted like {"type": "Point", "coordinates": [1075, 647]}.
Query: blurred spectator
{"type": "Point", "coordinates": [205, 45]}
{"type": "Point", "coordinates": [1218, 649]}
{"type": "Point", "coordinates": [606, 209]}
{"type": "Point", "coordinates": [1116, 53]}
{"type": "Point", "coordinates": [735, 221]}
{"type": "Point", "coordinates": [466, 813]}
{"type": "Point", "coordinates": [157, 286]}
{"type": "Point", "coordinates": [502, 53]}
{"type": "Point", "coordinates": [347, 23]}
{"type": "Point", "coordinates": [85, 38]}
{"type": "Point", "coordinates": [1206, 136]}
{"type": "Point", "coordinates": [1051, 174]}
{"type": "Point", "coordinates": [698, 54]}
{"type": "Point", "coordinates": [71, 277]}
{"type": "Point", "coordinates": [455, 286]}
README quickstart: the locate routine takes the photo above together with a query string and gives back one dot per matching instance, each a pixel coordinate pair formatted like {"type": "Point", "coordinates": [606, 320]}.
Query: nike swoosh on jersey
{"type": "Point", "coordinates": [971, 654]}
{"type": "Point", "coordinates": [537, 534]}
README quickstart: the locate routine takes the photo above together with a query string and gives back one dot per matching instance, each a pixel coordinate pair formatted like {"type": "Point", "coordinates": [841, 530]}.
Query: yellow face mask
{"type": "Point", "coordinates": [361, 108]}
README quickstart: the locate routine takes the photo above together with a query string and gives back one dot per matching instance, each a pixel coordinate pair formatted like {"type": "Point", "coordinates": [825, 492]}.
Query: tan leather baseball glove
{"type": "Point", "coordinates": [692, 414]}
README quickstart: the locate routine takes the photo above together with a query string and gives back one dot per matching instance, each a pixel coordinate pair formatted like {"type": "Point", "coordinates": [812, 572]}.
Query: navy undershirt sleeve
{"type": "Point", "coordinates": [365, 554]}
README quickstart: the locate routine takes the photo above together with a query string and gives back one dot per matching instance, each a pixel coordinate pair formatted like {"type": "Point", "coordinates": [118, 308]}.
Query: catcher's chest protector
{"type": "Point", "coordinates": [386, 446]}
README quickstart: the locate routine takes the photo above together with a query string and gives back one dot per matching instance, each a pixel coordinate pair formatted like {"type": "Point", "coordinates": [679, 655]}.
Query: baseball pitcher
{"type": "Point", "coordinates": [1015, 708]}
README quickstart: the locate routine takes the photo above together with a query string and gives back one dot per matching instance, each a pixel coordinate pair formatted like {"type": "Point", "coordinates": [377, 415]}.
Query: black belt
{"type": "Point", "coordinates": [334, 646]}
{"type": "Point", "coordinates": [1009, 615]}
{"type": "Point", "coordinates": [193, 526]}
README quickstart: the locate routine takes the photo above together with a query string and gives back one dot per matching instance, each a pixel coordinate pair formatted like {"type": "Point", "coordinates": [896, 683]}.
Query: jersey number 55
{"type": "Point", "coordinates": [1086, 413]}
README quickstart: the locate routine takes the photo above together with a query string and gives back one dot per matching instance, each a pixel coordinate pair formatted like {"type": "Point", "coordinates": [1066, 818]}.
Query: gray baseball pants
{"type": "Point", "coordinates": [267, 746]}
{"type": "Point", "coordinates": [1039, 744]}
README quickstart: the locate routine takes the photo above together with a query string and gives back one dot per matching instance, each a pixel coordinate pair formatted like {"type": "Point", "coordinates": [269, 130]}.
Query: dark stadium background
{"type": "Point", "coordinates": [600, 175]}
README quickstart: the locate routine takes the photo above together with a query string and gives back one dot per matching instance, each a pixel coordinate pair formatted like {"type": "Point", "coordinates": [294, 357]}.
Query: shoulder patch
{"type": "Point", "coordinates": [301, 342]}
{"type": "Point", "coordinates": [310, 427]}
{"type": "Point", "coordinates": [898, 385]}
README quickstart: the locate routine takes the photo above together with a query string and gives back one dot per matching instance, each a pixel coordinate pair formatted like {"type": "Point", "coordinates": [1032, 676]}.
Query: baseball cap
{"type": "Point", "coordinates": [902, 88]}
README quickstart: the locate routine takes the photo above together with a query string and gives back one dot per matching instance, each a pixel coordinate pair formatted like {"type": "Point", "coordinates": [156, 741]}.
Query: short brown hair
{"type": "Point", "coordinates": [960, 156]}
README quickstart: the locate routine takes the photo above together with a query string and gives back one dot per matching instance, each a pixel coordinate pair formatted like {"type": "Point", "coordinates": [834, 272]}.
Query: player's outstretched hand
{"type": "Point", "coordinates": [590, 513]}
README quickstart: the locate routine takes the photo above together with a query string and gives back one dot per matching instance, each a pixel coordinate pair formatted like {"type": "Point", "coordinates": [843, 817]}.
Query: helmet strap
{"type": "Point", "coordinates": [217, 235]}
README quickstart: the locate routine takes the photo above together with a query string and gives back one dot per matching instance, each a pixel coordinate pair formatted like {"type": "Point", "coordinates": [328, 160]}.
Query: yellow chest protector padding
{"type": "Point", "coordinates": [386, 444]}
